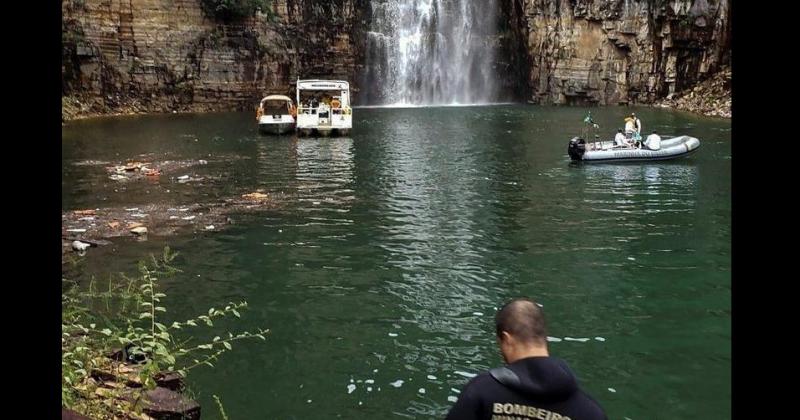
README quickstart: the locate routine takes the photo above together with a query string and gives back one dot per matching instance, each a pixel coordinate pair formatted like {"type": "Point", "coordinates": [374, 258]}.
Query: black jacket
{"type": "Point", "coordinates": [533, 388]}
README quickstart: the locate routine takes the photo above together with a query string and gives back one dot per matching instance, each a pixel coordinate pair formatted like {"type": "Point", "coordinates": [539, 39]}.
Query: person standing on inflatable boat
{"type": "Point", "coordinates": [638, 124]}
{"type": "Point", "coordinates": [633, 128]}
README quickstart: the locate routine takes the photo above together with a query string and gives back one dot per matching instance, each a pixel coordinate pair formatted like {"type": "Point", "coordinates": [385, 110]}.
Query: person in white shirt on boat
{"type": "Point", "coordinates": [653, 141]}
{"type": "Point", "coordinates": [619, 139]}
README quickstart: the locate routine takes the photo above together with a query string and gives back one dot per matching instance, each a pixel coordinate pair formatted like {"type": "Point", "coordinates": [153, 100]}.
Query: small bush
{"type": "Point", "coordinates": [137, 325]}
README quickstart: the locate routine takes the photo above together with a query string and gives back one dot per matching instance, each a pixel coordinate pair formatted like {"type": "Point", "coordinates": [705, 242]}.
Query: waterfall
{"type": "Point", "coordinates": [431, 52]}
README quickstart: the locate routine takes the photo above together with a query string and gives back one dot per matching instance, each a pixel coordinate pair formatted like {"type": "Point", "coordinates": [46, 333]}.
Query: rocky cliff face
{"type": "Point", "coordinates": [618, 51]}
{"type": "Point", "coordinates": [165, 55]}
{"type": "Point", "coordinates": [711, 97]}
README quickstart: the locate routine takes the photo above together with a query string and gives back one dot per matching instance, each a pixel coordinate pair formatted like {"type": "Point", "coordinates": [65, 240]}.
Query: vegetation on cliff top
{"type": "Point", "coordinates": [230, 10]}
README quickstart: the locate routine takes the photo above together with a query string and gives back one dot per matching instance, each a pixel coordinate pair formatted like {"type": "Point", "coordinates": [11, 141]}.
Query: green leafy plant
{"type": "Point", "coordinates": [154, 341]}
{"type": "Point", "coordinates": [221, 409]}
{"type": "Point", "coordinates": [146, 338]}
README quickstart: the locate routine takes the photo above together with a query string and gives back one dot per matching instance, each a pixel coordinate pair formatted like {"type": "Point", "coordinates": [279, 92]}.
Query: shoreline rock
{"type": "Point", "coordinates": [711, 97]}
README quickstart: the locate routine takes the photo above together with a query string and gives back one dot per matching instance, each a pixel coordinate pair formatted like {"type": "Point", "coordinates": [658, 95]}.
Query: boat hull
{"type": "Point", "coordinates": [671, 148]}
{"type": "Point", "coordinates": [323, 132]}
{"type": "Point", "coordinates": [276, 128]}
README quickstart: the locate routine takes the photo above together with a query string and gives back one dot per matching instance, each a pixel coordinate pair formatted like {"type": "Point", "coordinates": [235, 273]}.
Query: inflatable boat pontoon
{"type": "Point", "coordinates": [671, 148]}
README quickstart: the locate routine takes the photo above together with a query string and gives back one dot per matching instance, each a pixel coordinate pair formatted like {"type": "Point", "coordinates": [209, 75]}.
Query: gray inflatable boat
{"type": "Point", "coordinates": [671, 148]}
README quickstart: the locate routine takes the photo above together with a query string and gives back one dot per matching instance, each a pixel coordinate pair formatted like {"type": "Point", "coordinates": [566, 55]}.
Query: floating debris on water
{"type": "Point", "coordinates": [553, 339]}
{"type": "Point", "coordinates": [351, 388]}
{"type": "Point", "coordinates": [612, 389]}
{"type": "Point", "coordinates": [255, 196]}
{"type": "Point", "coordinates": [452, 398]}
{"type": "Point", "coordinates": [88, 212]}
{"type": "Point", "coordinates": [600, 339]}
{"type": "Point", "coordinates": [478, 313]}
{"type": "Point", "coordinates": [369, 389]}
{"type": "Point", "coordinates": [139, 230]}
{"type": "Point", "coordinates": [421, 390]}
{"type": "Point", "coordinates": [392, 334]}
{"type": "Point", "coordinates": [431, 377]}
{"type": "Point", "coordinates": [80, 246]}
{"type": "Point", "coordinates": [466, 374]}
{"type": "Point", "coordinates": [457, 391]}
{"type": "Point", "coordinates": [91, 163]}
{"type": "Point", "coordinates": [631, 259]}
{"type": "Point", "coordinates": [397, 384]}
{"type": "Point", "coordinates": [369, 381]}
{"type": "Point", "coordinates": [582, 340]}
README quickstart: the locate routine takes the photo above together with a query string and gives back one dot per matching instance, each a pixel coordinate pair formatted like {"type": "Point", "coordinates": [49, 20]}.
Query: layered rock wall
{"type": "Point", "coordinates": [166, 55]}
{"type": "Point", "coordinates": [619, 51]}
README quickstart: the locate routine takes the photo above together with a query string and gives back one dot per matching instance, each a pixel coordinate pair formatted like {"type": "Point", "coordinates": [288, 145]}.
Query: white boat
{"type": "Point", "coordinates": [276, 115]}
{"type": "Point", "coordinates": [324, 107]}
{"type": "Point", "coordinates": [606, 151]}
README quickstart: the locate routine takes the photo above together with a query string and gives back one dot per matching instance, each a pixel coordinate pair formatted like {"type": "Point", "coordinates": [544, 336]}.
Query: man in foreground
{"type": "Point", "coordinates": [532, 385]}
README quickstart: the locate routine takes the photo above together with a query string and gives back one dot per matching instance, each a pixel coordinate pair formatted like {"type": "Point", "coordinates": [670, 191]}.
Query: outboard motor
{"type": "Point", "coordinates": [576, 149]}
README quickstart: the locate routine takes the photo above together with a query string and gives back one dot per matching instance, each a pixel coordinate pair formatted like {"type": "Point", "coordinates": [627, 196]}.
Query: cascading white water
{"type": "Point", "coordinates": [431, 52]}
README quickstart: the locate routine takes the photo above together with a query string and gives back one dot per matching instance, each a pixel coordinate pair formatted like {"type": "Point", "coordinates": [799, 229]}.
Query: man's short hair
{"type": "Point", "coordinates": [522, 318]}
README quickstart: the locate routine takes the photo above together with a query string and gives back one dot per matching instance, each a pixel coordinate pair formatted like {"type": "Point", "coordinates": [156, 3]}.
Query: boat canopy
{"type": "Point", "coordinates": [341, 87]}
{"type": "Point", "coordinates": [276, 98]}
{"type": "Point", "coordinates": [317, 84]}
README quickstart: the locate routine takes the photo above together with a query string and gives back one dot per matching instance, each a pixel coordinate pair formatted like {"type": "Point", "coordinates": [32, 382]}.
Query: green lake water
{"type": "Point", "coordinates": [392, 248]}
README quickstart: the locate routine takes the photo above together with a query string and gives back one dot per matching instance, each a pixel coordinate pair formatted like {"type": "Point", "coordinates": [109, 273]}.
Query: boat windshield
{"type": "Point", "coordinates": [275, 107]}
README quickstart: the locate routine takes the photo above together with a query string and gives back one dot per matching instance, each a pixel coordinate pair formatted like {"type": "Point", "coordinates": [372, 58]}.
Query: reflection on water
{"type": "Point", "coordinates": [433, 236]}
{"type": "Point", "coordinates": [380, 271]}
{"type": "Point", "coordinates": [668, 187]}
